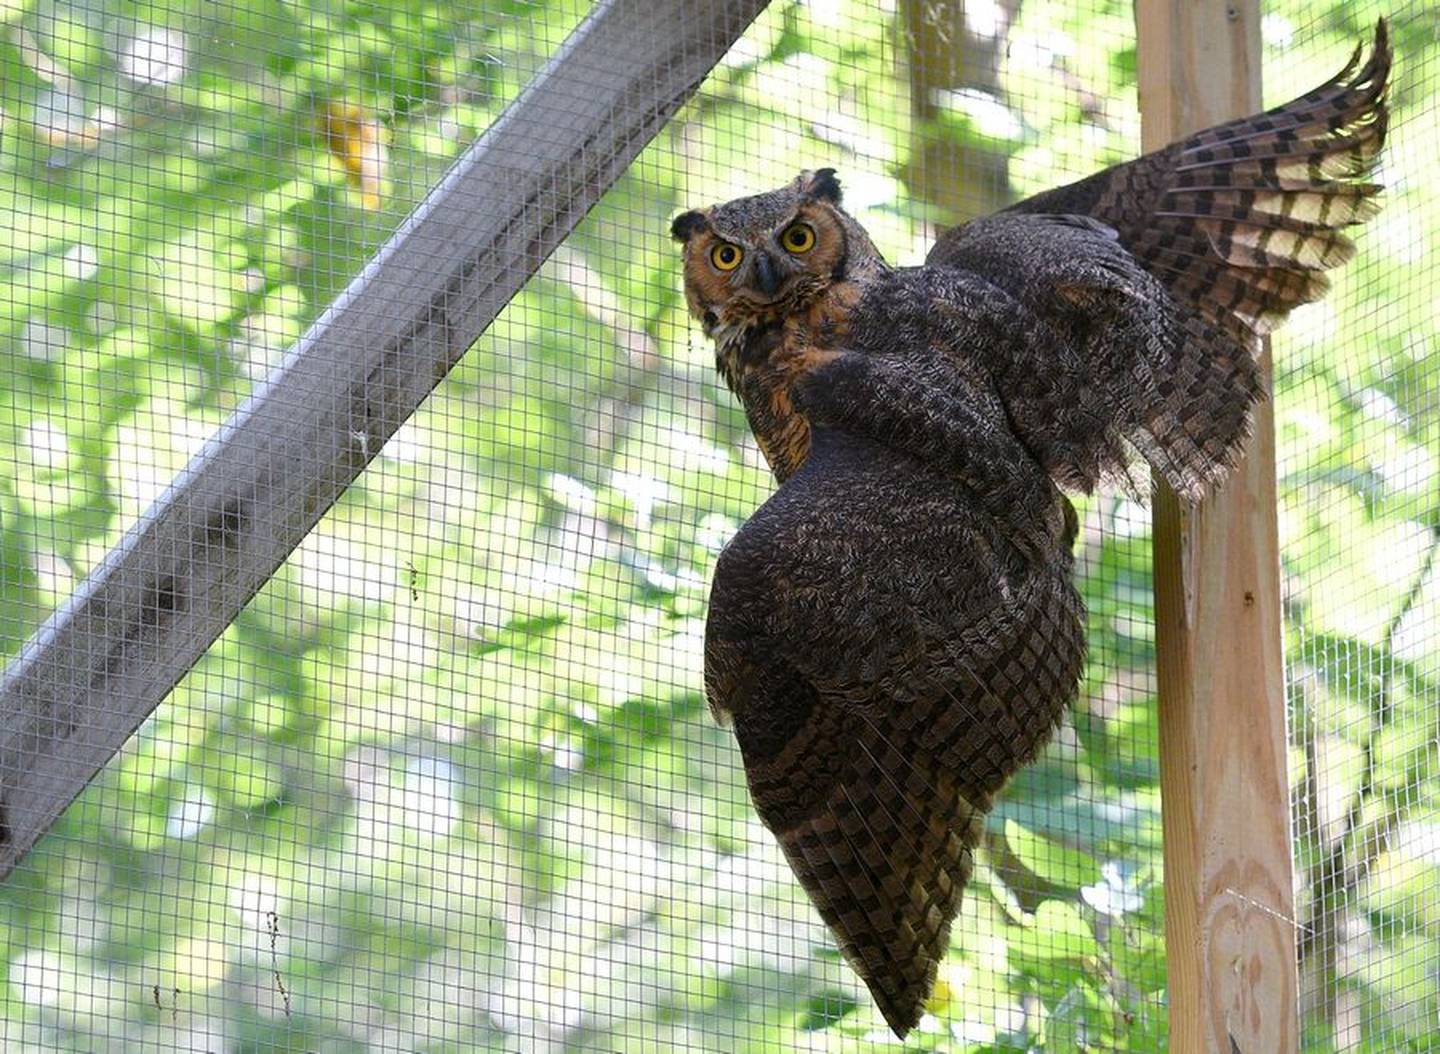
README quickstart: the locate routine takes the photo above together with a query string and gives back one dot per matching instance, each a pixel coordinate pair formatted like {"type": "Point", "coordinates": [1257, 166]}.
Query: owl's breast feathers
{"type": "Point", "coordinates": [764, 361]}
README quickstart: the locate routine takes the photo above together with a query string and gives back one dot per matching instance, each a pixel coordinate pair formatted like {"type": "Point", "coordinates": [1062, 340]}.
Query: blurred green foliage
{"type": "Point", "coordinates": [448, 783]}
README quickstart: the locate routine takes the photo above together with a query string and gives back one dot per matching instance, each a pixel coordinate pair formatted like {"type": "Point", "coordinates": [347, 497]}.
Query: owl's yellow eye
{"type": "Point", "coordinates": [798, 238]}
{"type": "Point", "coordinates": [726, 256]}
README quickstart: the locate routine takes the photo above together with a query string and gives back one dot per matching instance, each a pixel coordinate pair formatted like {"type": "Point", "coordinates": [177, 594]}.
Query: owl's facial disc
{"type": "Point", "coordinates": [772, 271]}
{"type": "Point", "coordinates": [755, 261]}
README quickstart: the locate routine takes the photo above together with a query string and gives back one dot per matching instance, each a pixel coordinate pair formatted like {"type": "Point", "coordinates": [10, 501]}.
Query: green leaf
{"type": "Point", "coordinates": [1051, 862]}
{"type": "Point", "coordinates": [192, 283]}
{"type": "Point", "coordinates": [1057, 931]}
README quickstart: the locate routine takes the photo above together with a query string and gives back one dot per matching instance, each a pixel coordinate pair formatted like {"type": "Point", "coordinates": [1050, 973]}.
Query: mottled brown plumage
{"type": "Point", "coordinates": [894, 633]}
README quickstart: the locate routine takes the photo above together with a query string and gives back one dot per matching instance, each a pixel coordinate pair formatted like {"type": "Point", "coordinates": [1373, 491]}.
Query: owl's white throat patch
{"type": "Point", "coordinates": [730, 339]}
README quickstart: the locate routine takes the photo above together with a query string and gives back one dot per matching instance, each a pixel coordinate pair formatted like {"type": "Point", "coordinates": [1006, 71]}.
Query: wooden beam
{"type": "Point", "coordinates": [103, 661]}
{"type": "Point", "coordinates": [1229, 894]}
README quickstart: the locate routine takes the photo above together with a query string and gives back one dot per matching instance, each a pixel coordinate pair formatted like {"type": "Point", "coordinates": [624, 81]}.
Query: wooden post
{"type": "Point", "coordinates": [1229, 894]}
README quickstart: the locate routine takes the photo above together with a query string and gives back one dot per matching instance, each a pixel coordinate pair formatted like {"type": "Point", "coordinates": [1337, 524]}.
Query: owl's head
{"type": "Point", "coordinates": [757, 259]}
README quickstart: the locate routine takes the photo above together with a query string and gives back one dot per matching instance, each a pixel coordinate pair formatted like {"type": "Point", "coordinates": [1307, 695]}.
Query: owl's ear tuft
{"type": "Point", "coordinates": [687, 224]}
{"type": "Point", "coordinates": [821, 185]}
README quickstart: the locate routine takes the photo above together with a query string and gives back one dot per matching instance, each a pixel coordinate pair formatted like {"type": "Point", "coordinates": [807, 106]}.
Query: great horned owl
{"type": "Point", "coordinates": [894, 632]}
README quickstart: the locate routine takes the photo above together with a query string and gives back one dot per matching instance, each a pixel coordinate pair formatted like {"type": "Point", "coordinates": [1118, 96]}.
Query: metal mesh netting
{"type": "Point", "coordinates": [1356, 420]}
{"type": "Point", "coordinates": [449, 781]}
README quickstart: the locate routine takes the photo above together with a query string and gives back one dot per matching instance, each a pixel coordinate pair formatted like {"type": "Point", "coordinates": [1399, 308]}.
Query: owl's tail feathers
{"type": "Point", "coordinates": [885, 862]}
{"type": "Point", "coordinates": [886, 856]}
{"type": "Point", "coordinates": [1253, 211]}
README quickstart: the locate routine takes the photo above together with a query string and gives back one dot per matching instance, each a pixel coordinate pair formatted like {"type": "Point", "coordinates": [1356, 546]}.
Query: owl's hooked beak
{"type": "Point", "coordinates": [766, 277]}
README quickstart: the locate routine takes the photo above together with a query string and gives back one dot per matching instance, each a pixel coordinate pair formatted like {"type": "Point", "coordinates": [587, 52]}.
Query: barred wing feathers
{"type": "Point", "coordinates": [1160, 274]}
{"type": "Point", "coordinates": [1242, 220]}
{"type": "Point", "coordinates": [877, 724]}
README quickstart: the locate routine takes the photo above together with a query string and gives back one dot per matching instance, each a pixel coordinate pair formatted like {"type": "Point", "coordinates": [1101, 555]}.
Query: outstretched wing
{"type": "Point", "coordinates": [888, 660]}
{"type": "Point", "coordinates": [1241, 220]}
{"type": "Point", "coordinates": [1162, 272]}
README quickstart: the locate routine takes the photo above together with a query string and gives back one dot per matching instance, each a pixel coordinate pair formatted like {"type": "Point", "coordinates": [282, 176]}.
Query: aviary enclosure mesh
{"type": "Point", "coordinates": [449, 782]}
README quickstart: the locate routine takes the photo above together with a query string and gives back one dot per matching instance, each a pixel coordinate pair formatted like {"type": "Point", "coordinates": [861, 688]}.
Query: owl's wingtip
{"type": "Point", "coordinates": [1381, 54]}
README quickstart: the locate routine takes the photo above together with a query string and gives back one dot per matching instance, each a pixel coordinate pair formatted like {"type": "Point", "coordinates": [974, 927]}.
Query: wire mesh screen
{"type": "Point", "coordinates": [449, 782]}
{"type": "Point", "coordinates": [1356, 421]}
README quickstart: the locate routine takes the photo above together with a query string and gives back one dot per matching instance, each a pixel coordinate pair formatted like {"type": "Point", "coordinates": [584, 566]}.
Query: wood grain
{"type": "Point", "coordinates": [1229, 894]}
